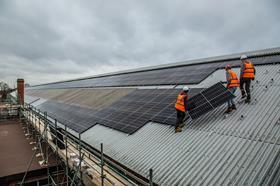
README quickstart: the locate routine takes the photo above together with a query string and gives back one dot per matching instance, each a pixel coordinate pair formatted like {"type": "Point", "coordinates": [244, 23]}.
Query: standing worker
{"type": "Point", "coordinates": [247, 73]}
{"type": "Point", "coordinates": [232, 84]}
{"type": "Point", "coordinates": [180, 106]}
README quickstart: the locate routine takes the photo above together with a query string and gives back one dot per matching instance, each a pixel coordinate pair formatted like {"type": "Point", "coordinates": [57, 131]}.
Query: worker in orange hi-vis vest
{"type": "Point", "coordinates": [247, 73]}
{"type": "Point", "coordinates": [232, 84]}
{"type": "Point", "coordinates": [181, 107]}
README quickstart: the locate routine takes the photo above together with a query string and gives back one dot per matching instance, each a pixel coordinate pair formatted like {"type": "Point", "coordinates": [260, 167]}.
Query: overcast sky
{"type": "Point", "coordinates": [46, 41]}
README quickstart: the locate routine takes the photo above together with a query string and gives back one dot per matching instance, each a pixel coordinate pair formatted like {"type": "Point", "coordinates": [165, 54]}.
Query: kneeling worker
{"type": "Point", "coordinates": [180, 106]}
{"type": "Point", "coordinates": [232, 84]}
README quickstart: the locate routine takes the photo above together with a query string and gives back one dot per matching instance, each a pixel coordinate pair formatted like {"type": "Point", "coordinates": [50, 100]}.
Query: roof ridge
{"type": "Point", "coordinates": [235, 56]}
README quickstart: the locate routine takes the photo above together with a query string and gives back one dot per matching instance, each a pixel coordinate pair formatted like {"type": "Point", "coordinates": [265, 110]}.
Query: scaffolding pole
{"type": "Point", "coordinates": [56, 147]}
{"type": "Point", "coordinates": [31, 160]}
{"type": "Point", "coordinates": [80, 158]}
{"type": "Point", "coordinates": [73, 173]}
{"type": "Point", "coordinates": [102, 164]}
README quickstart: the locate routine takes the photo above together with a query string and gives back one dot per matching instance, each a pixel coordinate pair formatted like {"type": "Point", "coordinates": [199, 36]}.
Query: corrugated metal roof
{"type": "Point", "coordinates": [212, 150]}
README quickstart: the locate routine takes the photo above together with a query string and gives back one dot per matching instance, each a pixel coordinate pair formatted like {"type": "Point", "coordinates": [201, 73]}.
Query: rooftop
{"type": "Point", "coordinates": [16, 151]}
{"type": "Point", "coordinates": [241, 149]}
{"type": "Point", "coordinates": [212, 150]}
{"type": "Point", "coordinates": [195, 62]}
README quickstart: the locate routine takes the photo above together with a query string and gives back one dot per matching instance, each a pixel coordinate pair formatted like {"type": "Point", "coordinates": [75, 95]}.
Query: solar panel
{"type": "Point", "coordinates": [134, 110]}
{"type": "Point", "coordinates": [174, 75]}
{"type": "Point", "coordinates": [127, 114]}
{"type": "Point", "coordinates": [77, 118]}
{"type": "Point", "coordinates": [200, 110]}
{"type": "Point", "coordinates": [167, 114]}
{"type": "Point", "coordinates": [209, 99]}
{"type": "Point", "coordinates": [188, 74]}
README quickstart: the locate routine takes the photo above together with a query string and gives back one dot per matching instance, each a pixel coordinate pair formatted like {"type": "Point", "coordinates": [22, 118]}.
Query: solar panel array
{"type": "Point", "coordinates": [209, 99]}
{"type": "Point", "coordinates": [131, 112]}
{"type": "Point", "coordinates": [127, 115]}
{"type": "Point", "coordinates": [77, 118]}
{"type": "Point", "coordinates": [178, 75]}
{"type": "Point", "coordinates": [188, 74]}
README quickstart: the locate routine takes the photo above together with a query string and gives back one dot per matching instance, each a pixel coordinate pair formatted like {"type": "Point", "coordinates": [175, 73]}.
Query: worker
{"type": "Point", "coordinates": [181, 107]}
{"type": "Point", "coordinates": [247, 73]}
{"type": "Point", "coordinates": [232, 84]}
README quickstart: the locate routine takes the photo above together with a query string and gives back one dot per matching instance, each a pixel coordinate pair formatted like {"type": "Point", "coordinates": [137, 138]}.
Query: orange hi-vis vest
{"type": "Point", "coordinates": [233, 79]}
{"type": "Point", "coordinates": [180, 103]}
{"type": "Point", "coordinates": [248, 70]}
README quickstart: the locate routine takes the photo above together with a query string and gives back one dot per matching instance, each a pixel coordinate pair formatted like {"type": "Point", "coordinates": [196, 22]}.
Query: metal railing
{"type": "Point", "coordinates": [84, 159]}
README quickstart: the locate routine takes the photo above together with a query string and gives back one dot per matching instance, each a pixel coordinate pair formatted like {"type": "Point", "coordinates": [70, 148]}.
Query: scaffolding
{"type": "Point", "coordinates": [8, 107]}
{"type": "Point", "coordinates": [76, 162]}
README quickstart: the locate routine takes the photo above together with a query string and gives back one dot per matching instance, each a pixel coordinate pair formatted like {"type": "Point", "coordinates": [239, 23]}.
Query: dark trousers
{"type": "Point", "coordinates": [180, 118]}
{"type": "Point", "coordinates": [247, 83]}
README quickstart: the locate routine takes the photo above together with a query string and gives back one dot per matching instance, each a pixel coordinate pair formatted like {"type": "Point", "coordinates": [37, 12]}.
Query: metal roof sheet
{"type": "Point", "coordinates": [212, 150]}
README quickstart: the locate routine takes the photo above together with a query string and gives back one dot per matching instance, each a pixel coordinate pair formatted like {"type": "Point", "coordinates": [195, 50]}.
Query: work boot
{"type": "Point", "coordinates": [181, 125]}
{"type": "Point", "coordinates": [178, 129]}
{"type": "Point", "coordinates": [248, 100]}
{"type": "Point", "coordinates": [249, 96]}
{"type": "Point", "coordinates": [233, 107]}
{"type": "Point", "coordinates": [229, 109]}
{"type": "Point", "coordinates": [243, 96]}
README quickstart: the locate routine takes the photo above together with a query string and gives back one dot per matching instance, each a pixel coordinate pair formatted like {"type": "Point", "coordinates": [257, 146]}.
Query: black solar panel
{"type": "Point", "coordinates": [191, 74]}
{"type": "Point", "coordinates": [77, 118]}
{"type": "Point", "coordinates": [209, 99]}
{"type": "Point", "coordinates": [175, 75]}
{"type": "Point", "coordinates": [164, 110]}
{"type": "Point", "coordinates": [137, 108]}
{"type": "Point", "coordinates": [128, 114]}
{"type": "Point", "coordinates": [133, 111]}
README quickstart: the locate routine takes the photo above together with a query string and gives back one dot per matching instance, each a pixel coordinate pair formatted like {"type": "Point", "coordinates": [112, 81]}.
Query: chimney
{"type": "Point", "coordinates": [20, 90]}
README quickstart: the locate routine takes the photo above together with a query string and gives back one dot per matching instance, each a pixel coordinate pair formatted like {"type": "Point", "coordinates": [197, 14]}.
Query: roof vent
{"type": "Point", "coordinates": [265, 88]}
{"type": "Point", "coordinates": [255, 101]}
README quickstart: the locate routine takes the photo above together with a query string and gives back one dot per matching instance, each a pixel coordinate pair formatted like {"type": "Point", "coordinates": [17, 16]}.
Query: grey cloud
{"type": "Point", "coordinates": [55, 40]}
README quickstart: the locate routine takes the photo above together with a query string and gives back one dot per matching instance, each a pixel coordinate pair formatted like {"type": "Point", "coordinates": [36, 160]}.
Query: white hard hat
{"type": "Point", "coordinates": [186, 88]}
{"type": "Point", "coordinates": [228, 67]}
{"type": "Point", "coordinates": [243, 57]}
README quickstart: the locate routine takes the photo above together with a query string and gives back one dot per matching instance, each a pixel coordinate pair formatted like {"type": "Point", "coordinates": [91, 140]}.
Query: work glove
{"type": "Point", "coordinates": [191, 106]}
